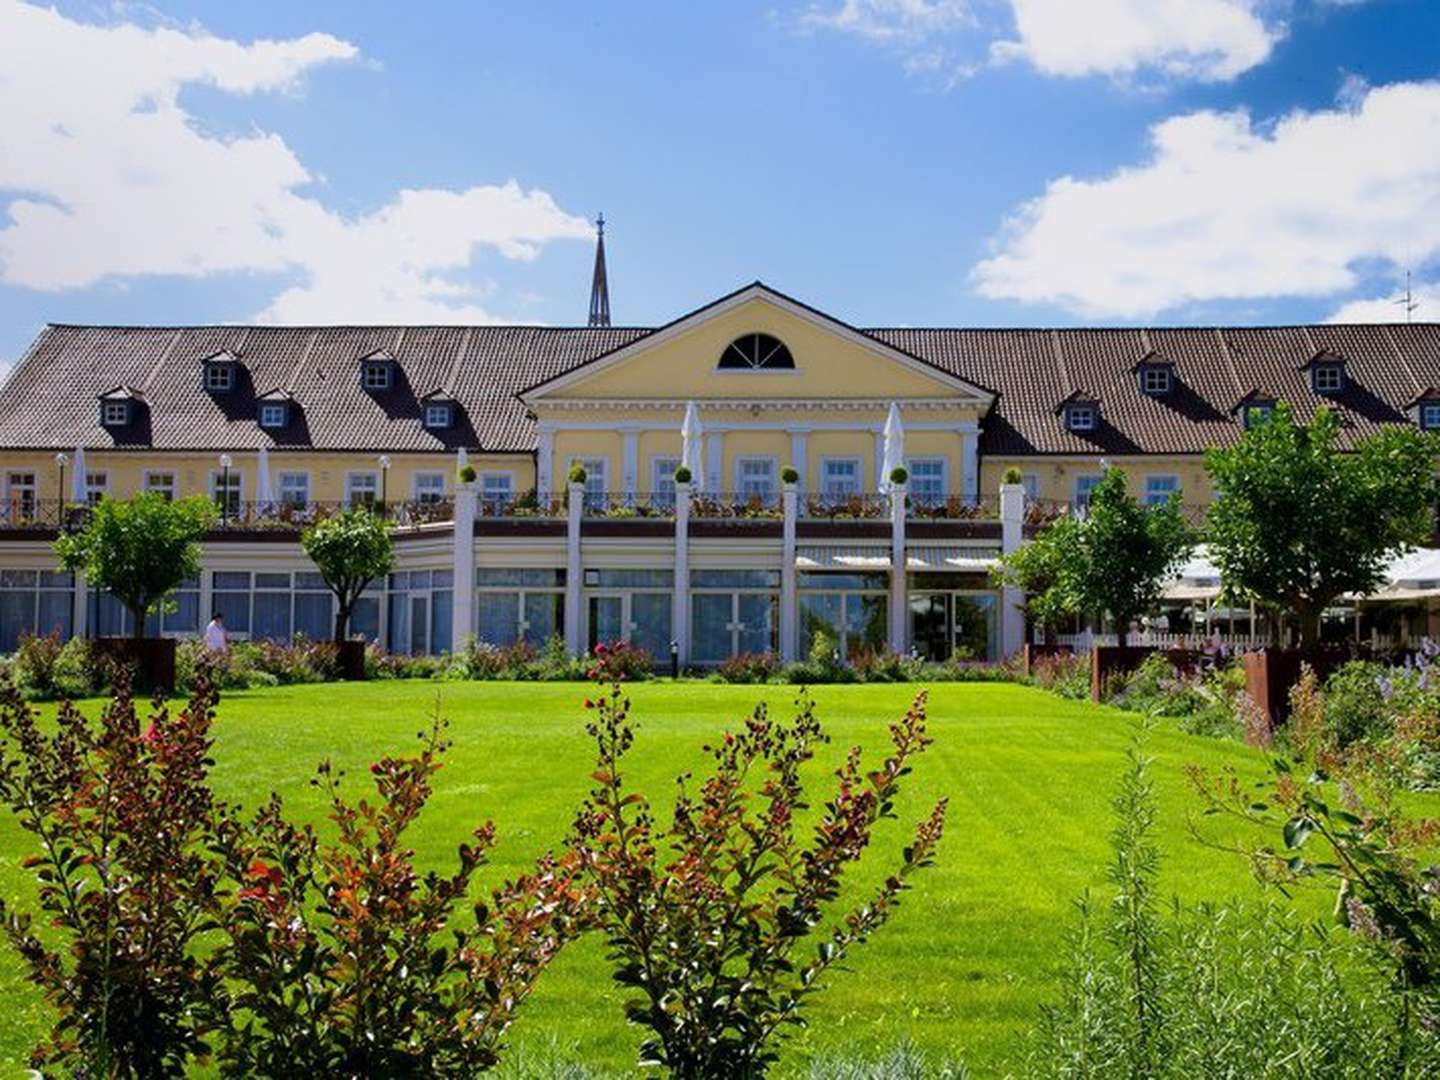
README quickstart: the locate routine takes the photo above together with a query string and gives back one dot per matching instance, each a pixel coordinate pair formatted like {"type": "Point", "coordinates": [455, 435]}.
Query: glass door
{"type": "Point", "coordinates": [419, 625]}
{"type": "Point", "coordinates": [607, 618]}
{"type": "Point", "coordinates": [930, 625]}
{"type": "Point", "coordinates": [975, 626]}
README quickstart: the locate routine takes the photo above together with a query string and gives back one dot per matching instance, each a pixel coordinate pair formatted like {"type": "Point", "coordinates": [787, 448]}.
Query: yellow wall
{"type": "Point", "coordinates": [126, 471]}
{"type": "Point", "coordinates": [1056, 476]}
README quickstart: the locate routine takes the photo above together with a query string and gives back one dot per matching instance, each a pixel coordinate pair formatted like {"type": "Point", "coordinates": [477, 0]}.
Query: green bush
{"type": "Point", "coordinates": [789, 475]}
{"type": "Point", "coordinates": [749, 668]}
{"type": "Point", "coordinates": [1355, 708]}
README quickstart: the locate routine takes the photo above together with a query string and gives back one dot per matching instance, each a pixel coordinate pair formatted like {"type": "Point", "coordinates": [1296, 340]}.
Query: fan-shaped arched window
{"type": "Point", "coordinates": [756, 352]}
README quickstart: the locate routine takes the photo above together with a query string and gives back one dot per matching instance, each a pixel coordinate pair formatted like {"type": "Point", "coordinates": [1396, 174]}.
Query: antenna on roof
{"type": "Point", "coordinates": [1408, 301]}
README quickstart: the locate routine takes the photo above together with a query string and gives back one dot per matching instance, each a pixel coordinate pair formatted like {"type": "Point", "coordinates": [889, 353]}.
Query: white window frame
{"type": "Point", "coordinates": [352, 489]}
{"type": "Point", "coordinates": [1082, 497]}
{"type": "Point", "coordinates": [281, 486]}
{"type": "Point", "coordinates": [1156, 380]}
{"type": "Point", "coordinates": [273, 414]}
{"type": "Point", "coordinates": [496, 497]}
{"type": "Point", "coordinates": [237, 484]}
{"type": "Point", "coordinates": [916, 493]}
{"type": "Point", "coordinates": [430, 493]}
{"type": "Point", "coordinates": [1331, 373]}
{"type": "Point", "coordinates": [597, 477]}
{"type": "Point", "coordinates": [114, 413]}
{"type": "Point", "coordinates": [772, 467]}
{"type": "Point", "coordinates": [376, 375]}
{"type": "Point", "coordinates": [97, 485]}
{"type": "Point", "coordinates": [437, 415]}
{"type": "Point", "coordinates": [22, 494]}
{"type": "Point", "coordinates": [219, 377]}
{"type": "Point", "coordinates": [161, 482]}
{"type": "Point", "coordinates": [826, 491]}
{"type": "Point", "coordinates": [1157, 496]}
{"type": "Point", "coordinates": [1031, 483]}
{"type": "Point", "coordinates": [1074, 415]}
{"type": "Point", "coordinates": [662, 478]}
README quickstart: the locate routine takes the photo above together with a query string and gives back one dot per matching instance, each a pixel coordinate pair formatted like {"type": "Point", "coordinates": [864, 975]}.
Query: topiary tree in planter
{"type": "Point", "coordinates": [682, 475]}
{"type": "Point", "coordinates": [1012, 475]}
{"type": "Point", "coordinates": [899, 475]}
{"type": "Point", "coordinates": [350, 550]}
{"type": "Point", "coordinates": [466, 474]}
{"type": "Point", "coordinates": [578, 475]}
{"type": "Point", "coordinates": [790, 475]}
{"type": "Point", "coordinates": [140, 550]}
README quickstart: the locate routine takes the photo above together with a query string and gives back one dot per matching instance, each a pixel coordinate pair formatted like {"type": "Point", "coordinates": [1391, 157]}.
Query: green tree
{"type": "Point", "coordinates": [1125, 552]}
{"type": "Point", "coordinates": [350, 550]}
{"type": "Point", "coordinates": [139, 549]}
{"type": "Point", "coordinates": [1041, 570]}
{"type": "Point", "coordinates": [1298, 522]}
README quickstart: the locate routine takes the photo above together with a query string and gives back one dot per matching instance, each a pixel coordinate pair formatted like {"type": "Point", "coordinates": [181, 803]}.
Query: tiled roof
{"type": "Point", "coordinates": [50, 399]}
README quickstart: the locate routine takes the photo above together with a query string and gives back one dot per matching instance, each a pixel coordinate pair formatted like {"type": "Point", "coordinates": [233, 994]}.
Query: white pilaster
{"type": "Point", "coordinates": [714, 462]}
{"type": "Point", "coordinates": [574, 573]}
{"type": "Point", "coordinates": [798, 450]}
{"type": "Point", "coordinates": [462, 620]}
{"type": "Point", "coordinates": [544, 462]}
{"type": "Point", "coordinates": [970, 464]}
{"type": "Point", "coordinates": [207, 594]}
{"type": "Point", "coordinates": [899, 601]}
{"type": "Point", "coordinates": [632, 463]}
{"type": "Point", "coordinates": [789, 595]}
{"type": "Point", "coordinates": [1012, 535]}
{"type": "Point", "coordinates": [80, 606]}
{"type": "Point", "coordinates": [680, 605]}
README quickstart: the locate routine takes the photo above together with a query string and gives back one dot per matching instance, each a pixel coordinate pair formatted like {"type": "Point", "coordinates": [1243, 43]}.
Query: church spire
{"type": "Point", "coordinates": [599, 284]}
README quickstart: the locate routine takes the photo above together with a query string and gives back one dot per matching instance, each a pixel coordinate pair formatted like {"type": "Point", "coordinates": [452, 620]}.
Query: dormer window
{"type": "Point", "coordinates": [1155, 380]}
{"type": "Point", "coordinates": [1080, 417]}
{"type": "Point", "coordinates": [273, 414]}
{"type": "Point", "coordinates": [219, 372]}
{"type": "Point", "coordinates": [377, 370]}
{"type": "Point", "coordinates": [437, 415]}
{"type": "Point", "coordinates": [1256, 414]}
{"type": "Point", "coordinates": [1327, 379]}
{"type": "Point", "coordinates": [115, 413]}
{"type": "Point", "coordinates": [1430, 415]}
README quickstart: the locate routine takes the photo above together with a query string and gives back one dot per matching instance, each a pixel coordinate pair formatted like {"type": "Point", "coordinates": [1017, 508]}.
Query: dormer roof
{"type": "Point", "coordinates": [1076, 397]}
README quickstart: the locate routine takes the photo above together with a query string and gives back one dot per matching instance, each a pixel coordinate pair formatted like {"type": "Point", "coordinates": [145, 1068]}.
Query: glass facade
{"type": "Point", "coordinates": [107, 617]}
{"type": "Point", "coordinates": [519, 605]}
{"type": "Point", "coordinates": [851, 608]}
{"type": "Point", "coordinates": [635, 606]}
{"type": "Point", "coordinates": [733, 612]}
{"type": "Point", "coordinates": [281, 606]}
{"type": "Point", "coordinates": [37, 602]}
{"type": "Point", "coordinates": [421, 604]}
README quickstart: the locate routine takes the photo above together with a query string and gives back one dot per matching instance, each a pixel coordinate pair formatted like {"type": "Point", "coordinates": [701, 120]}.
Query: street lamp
{"type": "Point", "coordinates": [225, 464]}
{"type": "Point", "coordinates": [384, 480]}
{"type": "Point", "coordinates": [61, 459]}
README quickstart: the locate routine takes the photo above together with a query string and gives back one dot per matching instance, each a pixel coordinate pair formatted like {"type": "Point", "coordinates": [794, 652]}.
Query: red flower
{"type": "Point", "coordinates": [152, 734]}
{"type": "Point", "coordinates": [376, 768]}
{"type": "Point", "coordinates": [601, 650]}
{"type": "Point", "coordinates": [589, 704]}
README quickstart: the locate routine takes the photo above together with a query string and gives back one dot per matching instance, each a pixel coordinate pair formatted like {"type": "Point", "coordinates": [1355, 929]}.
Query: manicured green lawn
{"type": "Point", "coordinates": [962, 968]}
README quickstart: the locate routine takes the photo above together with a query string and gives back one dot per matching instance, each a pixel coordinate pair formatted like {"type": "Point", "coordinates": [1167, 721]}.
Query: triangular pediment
{"type": "Point", "coordinates": [823, 359]}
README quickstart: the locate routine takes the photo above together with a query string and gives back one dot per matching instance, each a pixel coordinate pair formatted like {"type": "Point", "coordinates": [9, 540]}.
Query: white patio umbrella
{"type": "Point", "coordinates": [461, 459]}
{"type": "Point", "coordinates": [894, 446]}
{"type": "Point", "coordinates": [77, 480]}
{"type": "Point", "coordinates": [691, 437]}
{"type": "Point", "coordinates": [262, 478]}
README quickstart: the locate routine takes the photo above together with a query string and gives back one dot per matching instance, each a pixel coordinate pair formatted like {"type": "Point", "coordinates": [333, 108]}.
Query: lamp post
{"type": "Point", "coordinates": [384, 480]}
{"type": "Point", "coordinates": [61, 459]}
{"type": "Point", "coordinates": [225, 490]}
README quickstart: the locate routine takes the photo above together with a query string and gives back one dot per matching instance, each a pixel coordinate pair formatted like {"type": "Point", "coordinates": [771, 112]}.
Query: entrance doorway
{"type": "Point", "coordinates": [640, 618]}
{"type": "Point", "coordinates": [954, 624]}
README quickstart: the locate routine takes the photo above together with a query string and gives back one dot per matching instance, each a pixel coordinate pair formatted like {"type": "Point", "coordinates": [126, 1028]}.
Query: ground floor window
{"type": "Point", "coordinates": [107, 617]}
{"type": "Point", "coordinates": [849, 608]}
{"type": "Point", "coordinates": [519, 605]}
{"type": "Point", "coordinates": [36, 602]}
{"type": "Point", "coordinates": [277, 606]}
{"type": "Point", "coordinates": [630, 605]}
{"type": "Point", "coordinates": [733, 612]}
{"type": "Point", "coordinates": [421, 607]}
{"type": "Point", "coordinates": [953, 623]}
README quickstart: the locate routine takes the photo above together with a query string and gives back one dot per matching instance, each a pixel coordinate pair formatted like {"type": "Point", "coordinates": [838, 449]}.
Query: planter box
{"type": "Point", "coordinates": [151, 659]}
{"type": "Point", "coordinates": [1270, 674]}
{"type": "Point", "coordinates": [350, 658]}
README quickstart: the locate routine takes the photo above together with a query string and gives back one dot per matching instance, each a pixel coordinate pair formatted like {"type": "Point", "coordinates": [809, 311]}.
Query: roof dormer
{"type": "Point", "coordinates": [220, 372]}
{"type": "Point", "coordinates": [272, 409]}
{"type": "Point", "coordinates": [1154, 374]}
{"type": "Point", "coordinates": [1079, 412]}
{"type": "Point", "coordinates": [1424, 409]}
{"type": "Point", "coordinates": [118, 406]}
{"type": "Point", "coordinates": [377, 371]}
{"type": "Point", "coordinates": [1327, 373]}
{"type": "Point", "coordinates": [437, 410]}
{"type": "Point", "coordinates": [1254, 409]}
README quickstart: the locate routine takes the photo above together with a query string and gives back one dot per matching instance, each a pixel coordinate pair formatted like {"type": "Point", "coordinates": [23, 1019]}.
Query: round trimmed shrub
{"type": "Point", "coordinates": [682, 475]}
{"type": "Point", "coordinates": [1012, 475]}
{"type": "Point", "coordinates": [577, 474]}
{"type": "Point", "coordinates": [467, 474]}
{"type": "Point", "coordinates": [899, 474]}
{"type": "Point", "coordinates": [790, 475]}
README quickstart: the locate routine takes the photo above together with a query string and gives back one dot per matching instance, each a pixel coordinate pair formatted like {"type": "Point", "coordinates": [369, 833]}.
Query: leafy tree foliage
{"type": "Point", "coordinates": [1124, 553]}
{"type": "Point", "coordinates": [704, 917]}
{"type": "Point", "coordinates": [139, 549]}
{"type": "Point", "coordinates": [1298, 522]}
{"type": "Point", "coordinates": [350, 549]}
{"type": "Point", "coordinates": [1042, 569]}
{"type": "Point", "coordinates": [127, 885]}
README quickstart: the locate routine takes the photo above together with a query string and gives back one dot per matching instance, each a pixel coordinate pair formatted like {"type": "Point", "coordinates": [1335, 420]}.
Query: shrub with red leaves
{"type": "Point", "coordinates": [619, 661]}
{"type": "Point", "coordinates": [352, 963]}
{"type": "Point", "coordinates": [705, 916]}
{"type": "Point", "coordinates": [120, 815]}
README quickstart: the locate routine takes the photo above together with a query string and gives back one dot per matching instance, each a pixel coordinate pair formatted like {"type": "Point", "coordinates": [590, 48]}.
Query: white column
{"type": "Point", "coordinates": [462, 621]}
{"type": "Point", "coordinates": [680, 606]}
{"type": "Point", "coordinates": [632, 463]}
{"type": "Point", "coordinates": [970, 463]}
{"type": "Point", "coordinates": [715, 463]}
{"type": "Point", "coordinates": [789, 597]}
{"type": "Point", "coordinates": [544, 462]}
{"type": "Point", "coordinates": [798, 451]}
{"type": "Point", "coordinates": [1012, 535]}
{"type": "Point", "coordinates": [574, 573]}
{"type": "Point", "coordinates": [899, 601]}
{"type": "Point", "coordinates": [80, 606]}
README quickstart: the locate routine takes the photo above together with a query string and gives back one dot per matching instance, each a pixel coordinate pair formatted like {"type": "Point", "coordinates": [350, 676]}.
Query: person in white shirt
{"type": "Point", "coordinates": [217, 638]}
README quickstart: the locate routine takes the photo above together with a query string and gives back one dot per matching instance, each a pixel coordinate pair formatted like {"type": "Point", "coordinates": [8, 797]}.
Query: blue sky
{"type": "Point", "coordinates": [937, 162]}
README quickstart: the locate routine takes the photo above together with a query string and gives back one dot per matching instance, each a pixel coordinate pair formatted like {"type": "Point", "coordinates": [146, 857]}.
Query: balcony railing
{"type": "Point", "coordinates": [847, 506]}
{"type": "Point", "coordinates": [953, 508]}
{"type": "Point", "coordinates": [282, 514]}
{"type": "Point", "coordinates": [528, 505]}
{"type": "Point", "coordinates": [622, 504]}
{"type": "Point", "coordinates": [736, 505]}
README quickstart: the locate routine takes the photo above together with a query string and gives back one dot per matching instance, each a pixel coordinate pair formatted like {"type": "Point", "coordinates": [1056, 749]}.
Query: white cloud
{"type": "Point", "coordinates": [1390, 308]}
{"type": "Point", "coordinates": [892, 20]}
{"type": "Point", "coordinates": [113, 178]}
{"type": "Point", "coordinates": [1206, 40]}
{"type": "Point", "coordinates": [1226, 209]}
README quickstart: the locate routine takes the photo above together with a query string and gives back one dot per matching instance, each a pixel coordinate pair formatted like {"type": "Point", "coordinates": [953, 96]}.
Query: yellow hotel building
{"type": "Point", "coordinates": [279, 424]}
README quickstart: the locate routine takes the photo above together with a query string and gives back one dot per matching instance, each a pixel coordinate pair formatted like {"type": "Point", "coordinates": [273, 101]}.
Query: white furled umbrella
{"type": "Point", "coordinates": [262, 479]}
{"type": "Point", "coordinates": [77, 481]}
{"type": "Point", "coordinates": [461, 459]}
{"type": "Point", "coordinates": [692, 435]}
{"type": "Point", "coordinates": [894, 446]}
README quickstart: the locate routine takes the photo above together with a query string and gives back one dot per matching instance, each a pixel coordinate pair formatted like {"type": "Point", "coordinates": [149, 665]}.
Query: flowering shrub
{"type": "Point", "coordinates": [120, 814]}
{"type": "Point", "coordinates": [749, 668]}
{"type": "Point", "coordinates": [45, 667]}
{"type": "Point", "coordinates": [705, 917]}
{"type": "Point", "coordinates": [1066, 674]}
{"type": "Point", "coordinates": [350, 962]}
{"type": "Point", "coordinates": [620, 661]}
